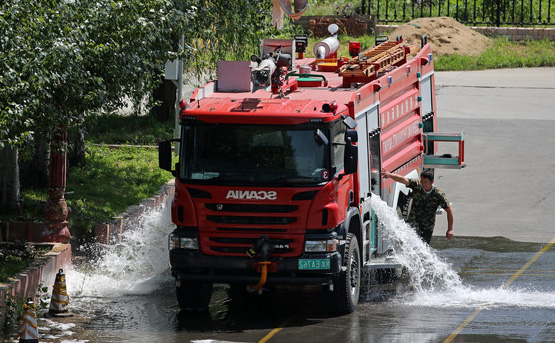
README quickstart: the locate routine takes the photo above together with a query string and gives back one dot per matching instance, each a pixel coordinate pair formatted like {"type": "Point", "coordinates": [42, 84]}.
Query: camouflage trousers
{"type": "Point", "coordinates": [424, 234]}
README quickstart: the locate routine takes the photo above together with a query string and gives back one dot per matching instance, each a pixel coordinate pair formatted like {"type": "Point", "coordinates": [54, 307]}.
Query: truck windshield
{"type": "Point", "coordinates": [251, 154]}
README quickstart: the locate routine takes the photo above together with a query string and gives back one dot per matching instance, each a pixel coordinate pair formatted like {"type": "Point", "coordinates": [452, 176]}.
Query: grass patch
{"type": "Point", "coordinates": [503, 54]}
{"type": "Point", "coordinates": [14, 257]}
{"type": "Point", "coordinates": [109, 181]}
{"type": "Point", "coordinates": [132, 129]}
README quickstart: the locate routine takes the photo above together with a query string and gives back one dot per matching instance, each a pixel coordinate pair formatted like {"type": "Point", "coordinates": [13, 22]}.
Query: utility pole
{"type": "Point", "coordinates": [176, 132]}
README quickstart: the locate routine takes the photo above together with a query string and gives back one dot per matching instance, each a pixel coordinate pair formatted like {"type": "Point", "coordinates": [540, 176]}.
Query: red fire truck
{"type": "Point", "coordinates": [279, 158]}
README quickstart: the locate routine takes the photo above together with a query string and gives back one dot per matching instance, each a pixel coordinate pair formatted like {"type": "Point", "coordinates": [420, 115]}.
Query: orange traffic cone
{"type": "Point", "coordinates": [29, 332]}
{"type": "Point", "coordinates": [60, 299]}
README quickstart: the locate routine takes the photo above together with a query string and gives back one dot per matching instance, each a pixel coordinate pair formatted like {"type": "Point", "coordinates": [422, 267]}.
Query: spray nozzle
{"type": "Point", "coordinates": [262, 247]}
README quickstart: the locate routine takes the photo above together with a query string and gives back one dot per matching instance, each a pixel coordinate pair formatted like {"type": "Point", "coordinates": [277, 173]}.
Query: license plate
{"type": "Point", "coordinates": [314, 264]}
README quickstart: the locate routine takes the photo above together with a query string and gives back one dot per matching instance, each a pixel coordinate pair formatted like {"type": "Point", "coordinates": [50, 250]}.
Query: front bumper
{"type": "Point", "coordinates": [196, 266]}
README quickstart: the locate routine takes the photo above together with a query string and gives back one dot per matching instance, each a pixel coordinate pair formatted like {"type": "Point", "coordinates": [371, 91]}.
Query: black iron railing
{"type": "Point", "coordinates": [473, 12]}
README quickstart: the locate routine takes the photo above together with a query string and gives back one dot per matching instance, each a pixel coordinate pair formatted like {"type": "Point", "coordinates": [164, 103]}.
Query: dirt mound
{"type": "Point", "coordinates": [446, 35]}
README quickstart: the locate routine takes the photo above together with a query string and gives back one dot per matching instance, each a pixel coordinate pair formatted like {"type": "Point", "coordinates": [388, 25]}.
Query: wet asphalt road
{"type": "Point", "coordinates": [505, 194]}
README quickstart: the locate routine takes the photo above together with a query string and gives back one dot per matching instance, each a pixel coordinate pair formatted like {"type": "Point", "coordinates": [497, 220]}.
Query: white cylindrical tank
{"type": "Point", "coordinates": [326, 48]}
{"type": "Point", "coordinates": [304, 69]}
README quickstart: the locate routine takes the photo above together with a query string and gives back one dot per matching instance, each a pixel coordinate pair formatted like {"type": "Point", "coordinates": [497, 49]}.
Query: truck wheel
{"type": "Point", "coordinates": [193, 295]}
{"type": "Point", "coordinates": [347, 285]}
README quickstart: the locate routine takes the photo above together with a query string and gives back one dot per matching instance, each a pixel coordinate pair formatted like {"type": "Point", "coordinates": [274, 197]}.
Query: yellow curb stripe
{"type": "Point", "coordinates": [274, 331]}
{"type": "Point", "coordinates": [513, 278]}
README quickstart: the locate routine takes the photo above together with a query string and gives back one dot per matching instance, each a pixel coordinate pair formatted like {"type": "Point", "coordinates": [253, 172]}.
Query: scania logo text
{"type": "Point", "coordinates": [251, 195]}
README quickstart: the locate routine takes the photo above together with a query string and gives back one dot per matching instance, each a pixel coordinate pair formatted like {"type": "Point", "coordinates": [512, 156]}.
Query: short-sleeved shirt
{"type": "Point", "coordinates": [424, 206]}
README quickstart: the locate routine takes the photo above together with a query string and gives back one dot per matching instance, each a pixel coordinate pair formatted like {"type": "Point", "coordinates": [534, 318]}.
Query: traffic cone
{"type": "Point", "coordinates": [29, 332]}
{"type": "Point", "coordinates": [60, 299]}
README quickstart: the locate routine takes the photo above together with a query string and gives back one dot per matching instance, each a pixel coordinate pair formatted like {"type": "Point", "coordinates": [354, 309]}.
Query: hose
{"type": "Point", "coordinates": [263, 276]}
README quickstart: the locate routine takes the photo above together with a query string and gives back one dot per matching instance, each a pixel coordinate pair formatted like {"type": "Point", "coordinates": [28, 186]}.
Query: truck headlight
{"type": "Point", "coordinates": [329, 245]}
{"type": "Point", "coordinates": [178, 242]}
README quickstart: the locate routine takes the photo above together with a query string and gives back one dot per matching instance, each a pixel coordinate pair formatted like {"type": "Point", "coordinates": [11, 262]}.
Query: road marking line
{"type": "Point", "coordinates": [274, 331]}
{"type": "Point", "coordinates": [502, 270]}
{"type": "Point", "coordinates": [513, 278]}
{"type": "Point", "coordinates": [524, 274]}
{"type": "Point", "coordinates": [529, 263]}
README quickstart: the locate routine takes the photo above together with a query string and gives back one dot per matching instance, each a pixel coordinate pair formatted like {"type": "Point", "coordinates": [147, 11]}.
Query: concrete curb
{"type": "Point", "coordinates": [112, 231]}
{"type": "Point", "coordinates": [41, 272]}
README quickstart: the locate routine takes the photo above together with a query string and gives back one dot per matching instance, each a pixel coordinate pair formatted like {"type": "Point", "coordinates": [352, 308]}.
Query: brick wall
{"type": "Point", "coordinates": [354, 26]}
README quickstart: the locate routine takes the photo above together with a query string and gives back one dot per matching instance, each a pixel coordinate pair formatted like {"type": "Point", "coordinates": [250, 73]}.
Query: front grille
{"type": "Point", "coordinates": [252, 208]}
{"type": "Point", "coordinates": [251, 220]}
{"type": "Point", "coordinates": [249, 229]}
{"type": "Point", "coordinates": [239, 245]}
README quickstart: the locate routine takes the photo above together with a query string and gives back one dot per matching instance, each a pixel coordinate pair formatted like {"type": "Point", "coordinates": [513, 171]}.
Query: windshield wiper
{"type": "Point", "coordinates": [294, 179]}
{"type": "Point", "coordinates": [226, 178]}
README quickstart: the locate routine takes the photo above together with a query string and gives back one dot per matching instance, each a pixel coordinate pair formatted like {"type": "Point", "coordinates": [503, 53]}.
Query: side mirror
{"type": "Point", "coordinates": [350, 122]}
{"type": "Point", "coordinates": [165, 155]}
{"type": "Point", "coordinates": [352, 135]}
{"type": "Point", "coordinates": [351, 157]}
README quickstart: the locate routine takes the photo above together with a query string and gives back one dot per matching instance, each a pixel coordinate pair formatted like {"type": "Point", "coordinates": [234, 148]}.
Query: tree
{"type": "Point", "coordinates": [63, 59]}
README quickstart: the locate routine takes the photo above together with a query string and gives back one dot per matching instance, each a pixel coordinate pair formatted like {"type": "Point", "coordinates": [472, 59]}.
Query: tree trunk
{"type": "Point", "coordinates": [34, 171]}
{"type": "Point", "coordinates": [9, 180]}
{"type": "Point", "coordinates": [165, 94]}
{"type": "Point", "coordinates": [76, 150]}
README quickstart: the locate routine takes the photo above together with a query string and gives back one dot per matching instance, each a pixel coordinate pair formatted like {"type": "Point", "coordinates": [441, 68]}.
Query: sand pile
{"type": "Point", "coordinates": [446, 36]}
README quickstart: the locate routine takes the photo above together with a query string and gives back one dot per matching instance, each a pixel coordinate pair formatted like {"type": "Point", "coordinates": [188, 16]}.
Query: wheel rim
{"type": "Point", "coordinates": [353, 277]}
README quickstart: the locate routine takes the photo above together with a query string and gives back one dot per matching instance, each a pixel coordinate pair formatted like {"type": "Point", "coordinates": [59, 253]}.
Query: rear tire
{"type": "Point", "coordinates": [346, 291]}
{"type": "Point", "coordinates": [193, 295]}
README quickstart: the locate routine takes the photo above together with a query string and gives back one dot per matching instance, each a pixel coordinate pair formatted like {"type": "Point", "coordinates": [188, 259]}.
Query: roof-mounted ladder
{"type": "Point", "coordinates": [371, 62]}
{"type": "Point", "coordinates": [447, 160]}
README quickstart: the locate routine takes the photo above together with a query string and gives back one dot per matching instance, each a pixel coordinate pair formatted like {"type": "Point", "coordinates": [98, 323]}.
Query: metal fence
{"type": "Point", "coordinates": [473, 12]}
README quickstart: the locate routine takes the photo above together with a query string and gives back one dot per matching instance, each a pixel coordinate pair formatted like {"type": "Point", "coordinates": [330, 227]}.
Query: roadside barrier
{"type": "Point", "coordinates": [29, 331]}
{"type": "Point", "coordinates": [60, 299]}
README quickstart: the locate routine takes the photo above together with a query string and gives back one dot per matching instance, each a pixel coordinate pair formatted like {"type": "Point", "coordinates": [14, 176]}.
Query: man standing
{"type": "Point", "coordinates": [426, 198]}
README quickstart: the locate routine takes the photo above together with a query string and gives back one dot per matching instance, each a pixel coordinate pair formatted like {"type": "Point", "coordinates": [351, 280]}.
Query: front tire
{"type": "Point", "coordinates": [347, 285]}
{"type": "Point", "coordinates": [193, 295]}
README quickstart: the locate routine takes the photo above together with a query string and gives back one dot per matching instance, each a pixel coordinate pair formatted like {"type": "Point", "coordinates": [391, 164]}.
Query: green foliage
{"type": "Point", "coordinates": [62, 59]}
{"type": "Point", "coordinates": [43, 300]}
{"type": "Point", "coordinates": [333, 7]}
{"type": "Point", "coordinates": [118, 129]}
{"type": "Point", "coordinates": [12, 313]}
{"type": "Point", "coordinates": [14, 257]}
{"type": "Point", "coordinates": [225, 30]}
{"type": "Point", "coordinates": [503, 54]}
